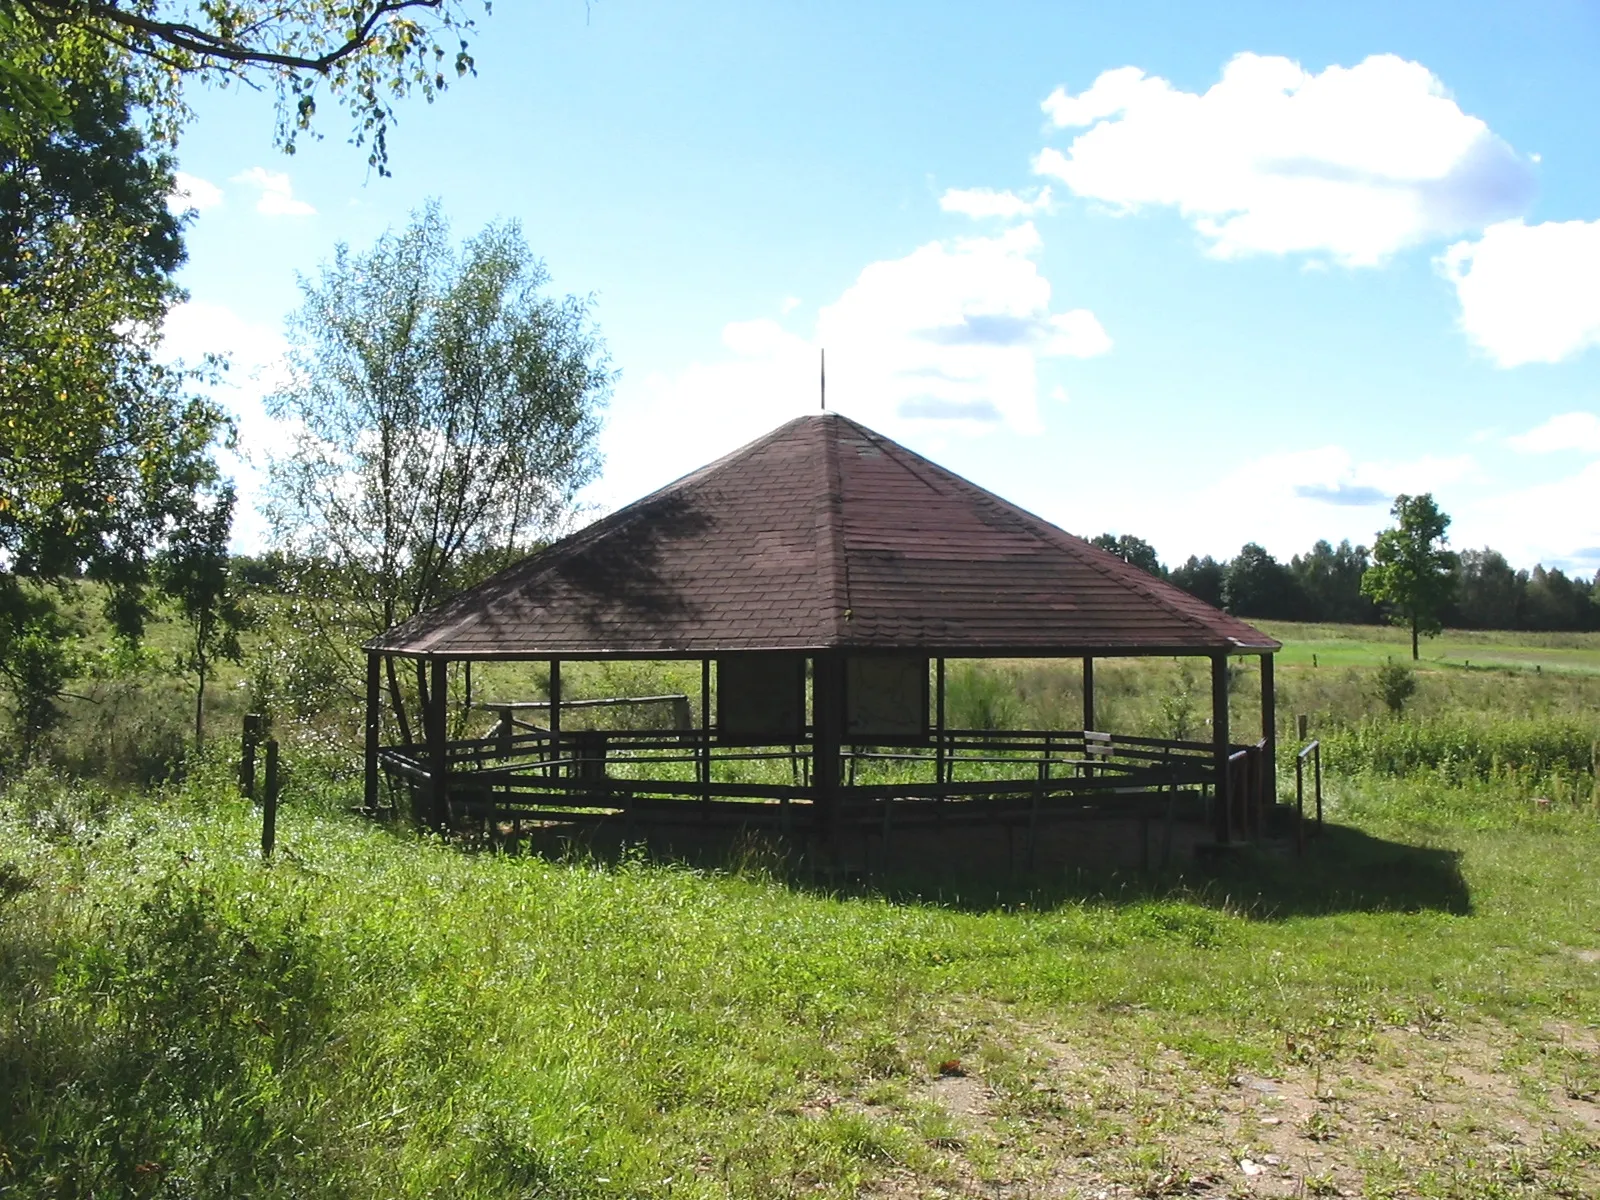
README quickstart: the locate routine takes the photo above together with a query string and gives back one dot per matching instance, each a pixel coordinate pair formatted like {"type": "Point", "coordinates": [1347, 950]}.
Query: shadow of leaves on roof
{"type": "Point", "coordinates": [620, 577]}
{"type": "Point", "coordinates": [609, 577]}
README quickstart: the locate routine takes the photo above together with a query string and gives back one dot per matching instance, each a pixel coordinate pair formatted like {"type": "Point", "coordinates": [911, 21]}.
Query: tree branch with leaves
{"type": "Point", "coordinates": [368, 54]}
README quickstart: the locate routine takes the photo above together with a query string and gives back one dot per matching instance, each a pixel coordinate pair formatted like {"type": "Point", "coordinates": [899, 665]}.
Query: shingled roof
{"type": "Point", "coordinates": [821, 534]}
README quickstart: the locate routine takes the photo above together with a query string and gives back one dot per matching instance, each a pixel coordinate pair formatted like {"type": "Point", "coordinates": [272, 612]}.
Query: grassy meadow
{"type": "Point", "coordinates": [1412, 1009]}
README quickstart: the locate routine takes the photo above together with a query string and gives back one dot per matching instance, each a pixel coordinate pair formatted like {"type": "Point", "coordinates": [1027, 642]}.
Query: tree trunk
{"type": "Point", "coordinates": [200, 708]}
{"type": "Point", "coordinates": [1414, 639]}
{"type": "Point", "coordinates": [398, 701]}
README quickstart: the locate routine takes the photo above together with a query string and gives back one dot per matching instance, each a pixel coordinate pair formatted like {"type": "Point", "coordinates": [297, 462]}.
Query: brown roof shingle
{"type": "Point", "coordinates": [821, 534]}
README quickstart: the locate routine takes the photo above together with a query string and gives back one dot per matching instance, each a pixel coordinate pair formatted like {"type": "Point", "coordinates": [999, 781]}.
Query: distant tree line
{"type": "Point", "coordinates": [1324, 584]}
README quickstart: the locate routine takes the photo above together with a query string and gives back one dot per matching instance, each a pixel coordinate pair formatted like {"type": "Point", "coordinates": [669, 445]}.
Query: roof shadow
{"type": "Point", "coordinates": [1343, 870]}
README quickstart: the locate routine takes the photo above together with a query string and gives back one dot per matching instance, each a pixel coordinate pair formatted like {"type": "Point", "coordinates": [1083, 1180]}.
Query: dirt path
{"type": "Point", "coordinates": [1398, 1112]}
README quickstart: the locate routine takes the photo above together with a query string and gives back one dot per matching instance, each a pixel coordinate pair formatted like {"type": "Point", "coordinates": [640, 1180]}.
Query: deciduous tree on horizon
{"type": "Point", "coordinates": [1412, 573]}
{"type": "Point", "coordinates": [1134, 551]}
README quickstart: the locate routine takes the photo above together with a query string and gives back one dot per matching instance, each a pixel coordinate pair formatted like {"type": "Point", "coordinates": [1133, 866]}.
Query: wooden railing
{"type": "Point", "coordinates": [1313, 751]}
{"type": "Point", "coordinates": [600, 772]}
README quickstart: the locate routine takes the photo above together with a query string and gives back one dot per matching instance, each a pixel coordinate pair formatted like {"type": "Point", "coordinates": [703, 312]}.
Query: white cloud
{"type": "Point", "coordinates": [190, 193]}
{"type": "Point", "coordinates": [1529, 293]}
{"type": "Point", "coordinates": [1283, 500]}
{"type": "Point", "coordinates": [952, 331]}
{"type": "Point", "coordinates": [947, 337]}
{"type": "Point", "coordinates": [1569, 431]}
{"type": "Point", "coordinates": [1357, 163]}
{"type": "Point", "coordinates": [195, 329]}
{"type": "Point", "coordinates": [980, 203]}
{"type": "Point", "coordinates": [256, 368]}
{"type": "Point", "coordinates": [1556, 522]}
{"type": "Point", "coordinates": [789, 304]}
{"type": "Point", "coordinates": [276, 194]}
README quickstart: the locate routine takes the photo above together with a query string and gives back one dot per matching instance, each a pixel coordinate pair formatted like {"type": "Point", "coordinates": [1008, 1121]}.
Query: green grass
{"type": "Point", "coordinates": [1370, 645]}
{"type": "Point", "coordinates": [378, 1015]}
{"type": "Point", "coordinates": [1411, 1009]}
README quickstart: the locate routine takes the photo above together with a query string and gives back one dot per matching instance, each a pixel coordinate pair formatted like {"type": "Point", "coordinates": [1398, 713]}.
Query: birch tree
{"type": "Point", "coordinates": [447, 410]}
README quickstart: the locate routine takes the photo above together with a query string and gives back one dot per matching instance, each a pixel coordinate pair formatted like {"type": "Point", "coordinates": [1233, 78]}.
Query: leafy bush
{"type": "Point", "coordinates": [1180, 704]}
{"type": "Point", "coordinates": [1396, 684]}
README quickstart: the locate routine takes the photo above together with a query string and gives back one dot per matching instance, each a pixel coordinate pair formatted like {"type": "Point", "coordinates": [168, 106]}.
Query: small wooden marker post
{"type": "Point", "coordinates": [269, 807]}
{"type": "Point", "coordinates": [1302, 725]}
{"type": "Point", "coordinates": [247, 753]}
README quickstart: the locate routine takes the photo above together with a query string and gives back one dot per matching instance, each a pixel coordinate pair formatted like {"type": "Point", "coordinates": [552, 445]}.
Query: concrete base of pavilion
{"type": "Point", "coordinates": [961, 850]}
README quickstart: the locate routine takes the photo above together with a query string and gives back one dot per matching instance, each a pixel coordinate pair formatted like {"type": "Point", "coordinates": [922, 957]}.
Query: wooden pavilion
{"type": "Point", "coordinates": [821, 576]}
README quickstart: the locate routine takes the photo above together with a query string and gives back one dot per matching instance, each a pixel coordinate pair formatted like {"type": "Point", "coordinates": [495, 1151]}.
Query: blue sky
{"type": "Point", "coordinates": [1201, 274]}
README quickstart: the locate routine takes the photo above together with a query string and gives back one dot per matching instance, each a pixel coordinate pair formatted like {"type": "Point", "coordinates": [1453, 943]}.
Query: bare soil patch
{"type": "Point", "coordinates": [1113, 1112]}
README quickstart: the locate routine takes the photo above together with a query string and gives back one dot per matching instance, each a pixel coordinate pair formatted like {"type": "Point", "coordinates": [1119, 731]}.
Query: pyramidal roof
{"type": "Point", "coordinates": [821, 534]}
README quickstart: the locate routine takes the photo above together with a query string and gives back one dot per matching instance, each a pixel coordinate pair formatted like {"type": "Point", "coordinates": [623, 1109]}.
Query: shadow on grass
{"type": "Point", "coordinates": [1343, 870]}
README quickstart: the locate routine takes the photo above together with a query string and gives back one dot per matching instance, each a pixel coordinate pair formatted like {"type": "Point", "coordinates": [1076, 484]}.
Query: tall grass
{"type": "Point", "coordinates": [1463, 747]}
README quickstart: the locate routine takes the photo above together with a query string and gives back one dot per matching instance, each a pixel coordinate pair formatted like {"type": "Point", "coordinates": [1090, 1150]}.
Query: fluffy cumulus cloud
{"type": "Point", "coordinates": [953, 331]}
{"type": "Point", "coordinates": [1529, 293]}
{"type": "Point", "coordinates": [255, 368]}
{"type": "Point", "coordinates": [986, 203]}
{"type": "Point", "coordinates": [949, 337]}
{"type": "Point", "coordinates": [274, 193]}
{"type": "Point", "coordinates": [1355, 163]}
{"type": "Point", "coordinates": [1570, 431]}
{"type": "Point", "coordinates": [190, 193]}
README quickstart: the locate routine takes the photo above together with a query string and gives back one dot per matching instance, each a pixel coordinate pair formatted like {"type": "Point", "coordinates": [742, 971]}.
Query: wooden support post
{"type": "Point", "coordinates": [374, 715]}
{"type": "Point", "coordinates": [269, 807]}
{"type": "Point", "coordinates": [251, 737]}
{"type": "Point", "coordinates": [1269, 734]}
{"type": "Point", "coordinates": [1088, 714]}
{"type": "Point", "coordinates": [827, 736]}
{"type": "Point", "coordinates": [438, 759]}
{"type": "Point", "coordinates": [1220, 746]}
{"type": "Point", "coordinates": [1316, 766]}
{"type": "Point", "coordinates": [554, 753]}
{"type": "Point", "coordinates": [1300, 803]}
{"type": "Point", "coordinates": [938, 727]}
{"type": "Point", "coordinates": [705, 739]}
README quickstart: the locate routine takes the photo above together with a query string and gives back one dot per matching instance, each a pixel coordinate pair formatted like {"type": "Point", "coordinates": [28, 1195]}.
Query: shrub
{"type": "Point", "coordinates": [1396, 684]}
